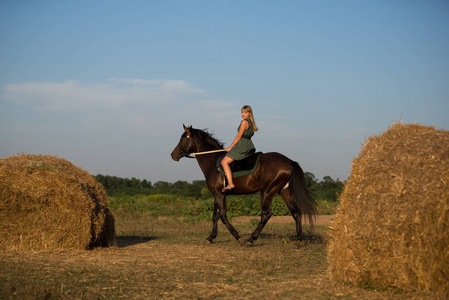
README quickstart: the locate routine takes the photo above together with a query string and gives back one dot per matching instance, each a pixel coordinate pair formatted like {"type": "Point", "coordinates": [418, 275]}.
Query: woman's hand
{"type": "Point", "coordinates": [228, 149]}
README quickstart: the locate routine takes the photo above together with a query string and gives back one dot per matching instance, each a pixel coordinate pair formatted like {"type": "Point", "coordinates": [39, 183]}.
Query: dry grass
{"type": "Point", "coordinates": [165, 259]}
{"type": "Point", "coordinates": [392, 226]}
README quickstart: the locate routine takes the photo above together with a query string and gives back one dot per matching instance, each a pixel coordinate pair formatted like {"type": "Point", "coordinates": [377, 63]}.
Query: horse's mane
{"type": "Point", "coordinates": [208, 138]}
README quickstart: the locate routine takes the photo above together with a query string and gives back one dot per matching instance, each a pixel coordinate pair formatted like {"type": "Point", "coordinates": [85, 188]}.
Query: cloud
{"type": "Point", "coordinates": [170, 86]}
{"type": "Point", "coordinates": [69, 95]}
{"type": "Point", "coordinates": [75, 96]}
{"type": "Point", "coordinates": [150, 108]}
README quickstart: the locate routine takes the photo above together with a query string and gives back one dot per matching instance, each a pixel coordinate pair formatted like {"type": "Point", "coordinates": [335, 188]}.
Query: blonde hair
{"type": "Point", "coordinates": [249, 110]}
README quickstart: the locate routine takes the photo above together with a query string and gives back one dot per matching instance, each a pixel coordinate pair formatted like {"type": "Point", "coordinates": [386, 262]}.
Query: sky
{"type": "Point", "coordinates": [108, 85]}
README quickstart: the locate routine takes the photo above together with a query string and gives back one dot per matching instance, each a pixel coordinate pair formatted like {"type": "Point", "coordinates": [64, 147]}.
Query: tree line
{"type": "Point", "coordinates": [325, 189]}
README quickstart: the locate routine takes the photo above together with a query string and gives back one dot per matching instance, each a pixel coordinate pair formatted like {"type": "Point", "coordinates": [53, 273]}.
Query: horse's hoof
{"type": "Point", "coordinates": [249, 242]}
{"type": "Point", "coordinates": [207, 242]}
{"type": "Point", "coordinates": [242, 241]}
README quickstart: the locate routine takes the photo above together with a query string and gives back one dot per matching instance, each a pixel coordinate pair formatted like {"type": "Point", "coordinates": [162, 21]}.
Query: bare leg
{"type": "Point", "coordinates": [227, 169]}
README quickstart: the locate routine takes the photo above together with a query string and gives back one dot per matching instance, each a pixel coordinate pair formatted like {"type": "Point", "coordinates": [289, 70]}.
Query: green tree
{"type": "Point", "coordinates": [146, 184]}
{"type": "Point", "coordinates": [161, 187]}
{"type": "Point", "coordinates": [330, 189]}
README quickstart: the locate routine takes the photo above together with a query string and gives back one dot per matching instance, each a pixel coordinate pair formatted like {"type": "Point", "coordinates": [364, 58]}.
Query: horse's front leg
{"type": "Point", "coordinates": [215, 218]}
{"type": "Point", "coordinates": [265, 216]}
{"type": "Point", "coordinates": [220, 203]}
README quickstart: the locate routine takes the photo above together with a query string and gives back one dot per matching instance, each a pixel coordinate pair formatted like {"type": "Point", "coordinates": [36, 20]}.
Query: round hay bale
{"type": "Point", "coordinates": [392, 225]}
{"type": "Point", "coordinates": [48, 203]}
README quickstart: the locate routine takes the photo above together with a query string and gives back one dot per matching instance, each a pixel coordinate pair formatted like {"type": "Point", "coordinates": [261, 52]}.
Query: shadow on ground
{"type": "Point", "coordinates": [307, 239]}
{"type": "Point", "coordinates": [126, 241]}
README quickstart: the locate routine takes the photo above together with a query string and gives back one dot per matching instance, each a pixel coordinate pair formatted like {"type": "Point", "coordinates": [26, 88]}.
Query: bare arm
{"type": "Point", "coordinates": [244, 125]}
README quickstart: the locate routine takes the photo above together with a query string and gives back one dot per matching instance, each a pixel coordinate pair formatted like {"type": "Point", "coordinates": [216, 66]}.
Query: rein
{"type": "Point", "coordinates": [191, 155]}
{"type": "Point", "coordinates": [207, 152]}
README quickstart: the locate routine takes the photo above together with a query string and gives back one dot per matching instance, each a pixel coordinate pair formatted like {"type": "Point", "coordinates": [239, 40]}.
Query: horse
{"type": "Point", "coordinates": [275, 174]}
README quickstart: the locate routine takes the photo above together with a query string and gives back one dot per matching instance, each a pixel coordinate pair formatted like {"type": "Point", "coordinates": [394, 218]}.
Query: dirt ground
{"type": "Point", "coordinates": [167, 259]}
{"type": "Point", "coordinates": [322, 220]}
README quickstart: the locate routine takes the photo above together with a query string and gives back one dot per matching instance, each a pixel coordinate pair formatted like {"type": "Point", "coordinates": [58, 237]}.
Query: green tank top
{"type": "Point", "coordinates": [245, 144]}
{"type": "Point", "coordinates": [249, 132]}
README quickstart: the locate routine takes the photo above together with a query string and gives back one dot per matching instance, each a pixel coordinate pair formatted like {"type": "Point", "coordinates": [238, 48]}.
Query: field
{"type": "Point", "coordinates": [162, 257]}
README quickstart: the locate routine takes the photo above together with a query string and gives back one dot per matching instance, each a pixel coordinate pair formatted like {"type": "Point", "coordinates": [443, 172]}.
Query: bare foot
{"type": "Point", "coordinates": [228, 188]}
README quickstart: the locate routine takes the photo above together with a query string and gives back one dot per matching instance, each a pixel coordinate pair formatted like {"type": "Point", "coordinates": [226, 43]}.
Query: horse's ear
{"type": "Point", "coordinates": [186, 129]}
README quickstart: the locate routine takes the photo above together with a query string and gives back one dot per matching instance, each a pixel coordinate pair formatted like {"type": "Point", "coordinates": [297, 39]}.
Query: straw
{"type": "Point", "coordinates": [47, 202]}
{"type": "Point", "coordinates": [391, 229]}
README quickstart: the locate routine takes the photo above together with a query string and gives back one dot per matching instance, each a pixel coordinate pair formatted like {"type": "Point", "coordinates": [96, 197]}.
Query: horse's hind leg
{"type": "Point", "coordinates": [292, 205]}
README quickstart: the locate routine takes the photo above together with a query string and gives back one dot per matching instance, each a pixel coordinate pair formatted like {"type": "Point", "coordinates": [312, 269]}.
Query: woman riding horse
{"type": "Point", "coordinates": [275, 174]}
{"type": "Point", "coordinates": [241, 144]}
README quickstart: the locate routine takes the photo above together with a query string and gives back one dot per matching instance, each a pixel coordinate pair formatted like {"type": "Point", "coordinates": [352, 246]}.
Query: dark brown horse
{"type": "Point", "coordinates": [275, 174]}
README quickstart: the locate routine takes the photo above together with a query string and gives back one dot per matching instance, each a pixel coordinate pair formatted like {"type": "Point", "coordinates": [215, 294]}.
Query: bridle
{"type": "Point", "coordinates": [187, 154]}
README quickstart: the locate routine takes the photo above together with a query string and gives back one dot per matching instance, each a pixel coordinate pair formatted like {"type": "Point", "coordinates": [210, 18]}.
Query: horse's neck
{"type": "Point", "coordinates": [207, 162]}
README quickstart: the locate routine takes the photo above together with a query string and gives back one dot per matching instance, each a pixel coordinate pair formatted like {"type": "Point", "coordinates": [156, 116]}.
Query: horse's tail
{"type": "Point", "coordinates": [301, 194]}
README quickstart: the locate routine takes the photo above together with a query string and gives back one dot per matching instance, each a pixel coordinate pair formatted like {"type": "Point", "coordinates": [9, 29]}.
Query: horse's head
{"type": "Point", "coordinates": [194, 140]}
{"type": "Point", "coordinates": [185, 146]}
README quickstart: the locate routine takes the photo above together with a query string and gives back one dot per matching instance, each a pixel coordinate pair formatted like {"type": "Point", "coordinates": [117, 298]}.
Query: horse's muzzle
{"type": "Point", "coordinates": [176, 156]}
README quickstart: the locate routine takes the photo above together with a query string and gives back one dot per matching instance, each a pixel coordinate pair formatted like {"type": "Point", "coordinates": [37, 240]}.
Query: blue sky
{"type": "Point", "coordinates": [108, 84]}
